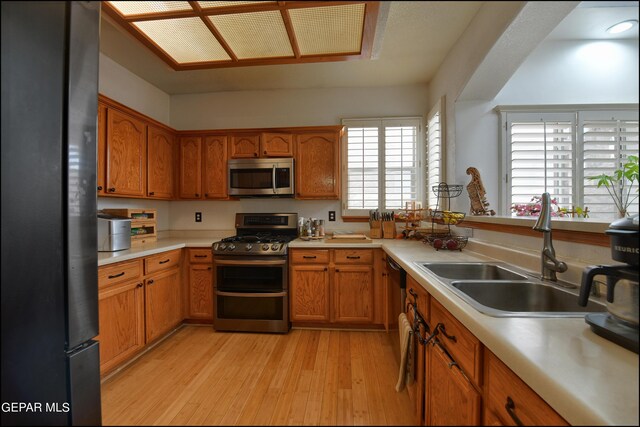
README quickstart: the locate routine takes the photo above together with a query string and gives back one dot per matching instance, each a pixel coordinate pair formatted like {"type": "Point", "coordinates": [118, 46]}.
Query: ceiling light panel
{"type": "Point", "coordinates": [255, 34]}
{"type": "Point", "coordinates": [186, 40]}
{"type": "Point", "coordinates": [328, 30]}
{"type": "Point", "coordinates": [128, 8]}
{"type": "Point", "coordinates": [211, 4]}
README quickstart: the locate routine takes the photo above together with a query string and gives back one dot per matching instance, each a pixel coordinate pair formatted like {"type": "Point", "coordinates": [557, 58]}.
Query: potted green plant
{"type": "Point", "coordinates": [619, 184]}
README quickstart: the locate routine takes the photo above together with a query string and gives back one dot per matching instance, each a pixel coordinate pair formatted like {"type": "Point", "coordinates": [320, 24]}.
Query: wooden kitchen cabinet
{"type": "Point", "coordinates": [190, 175]}
{"type": "Point", "coordinates": [126, 155]}
{"type": "Point", "coordinates": [503, 388]}
{"type": "Point", "coordinates": [102, 149]}
{"type": "Point", "coordinates": [160, 164]}
{"type": "Point", "coordinates": [200, 290]}
{"type": "Point", "coordinates": [418, 297]}
{"type": "Point", "coordinates": [244, 146]}
{"type": "Point", "coordinates": [121, 320]}
{"type": "Point", "coordinates": [309, 293]}
{"type": "Point", "coordinates": [318, 165]}
{"type": "Point", "coordinates": [276, 144]}
{"type": "Point", "coordinates": [214, 175]}
{"type": "Point", "coordinates": [163, 307]}
{"type": "Point", "coordinates": [353, 285]}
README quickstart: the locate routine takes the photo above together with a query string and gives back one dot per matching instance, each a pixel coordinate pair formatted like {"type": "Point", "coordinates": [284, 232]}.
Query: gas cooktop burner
{"type": "Point", "coordinates": [259, 235]}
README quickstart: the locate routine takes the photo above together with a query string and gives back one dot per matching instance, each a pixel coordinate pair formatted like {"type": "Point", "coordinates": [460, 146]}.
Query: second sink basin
{"type": "Point", "coordinates": [471, 271]}
{"type": "Point", "coordinates": [513, 298]}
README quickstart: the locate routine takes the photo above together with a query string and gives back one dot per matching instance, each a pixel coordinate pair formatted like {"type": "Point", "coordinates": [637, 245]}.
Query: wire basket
{"type": "Point", "coordinates": [447, 217]}
{"type": "Point", "coordinates": [446, 242]}
{"type": "Point", "coordinates": [445, 190]}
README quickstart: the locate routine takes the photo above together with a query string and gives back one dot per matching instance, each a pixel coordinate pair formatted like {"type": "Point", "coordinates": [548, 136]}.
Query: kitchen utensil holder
{"type": "Point", "coordinates": [389, 229]}
{"type": "Point", "coordinates": [375, 231]}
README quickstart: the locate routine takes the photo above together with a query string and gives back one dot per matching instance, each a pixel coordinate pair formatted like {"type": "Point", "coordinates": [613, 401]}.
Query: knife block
{"type": "Point", "coordinates": [388, 229]}
{"type": "Point", "coordinates": [375, 231]}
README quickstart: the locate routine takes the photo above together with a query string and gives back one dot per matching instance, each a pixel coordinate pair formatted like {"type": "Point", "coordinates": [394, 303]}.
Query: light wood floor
{"type": "Point", "coordinates": [306, 377]}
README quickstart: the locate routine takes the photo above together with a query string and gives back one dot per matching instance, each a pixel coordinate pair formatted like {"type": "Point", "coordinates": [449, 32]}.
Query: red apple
{"type": "Point", "coordinates": [437, 243]}
{"type": "Point", "coordinates": [452, 244]}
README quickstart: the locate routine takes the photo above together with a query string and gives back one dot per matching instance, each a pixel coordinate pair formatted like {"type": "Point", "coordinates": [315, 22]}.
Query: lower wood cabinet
{"type": "Point", "coordinates": [163, 308]}
{"type": "Point", "coordinates": [353, 293]}
{"type": "Point", "coordinates": [121, 320]}
{"type": "Point", "coordinates": [309, 293]}
{"type": "Point", "coordinates": [200, 285]}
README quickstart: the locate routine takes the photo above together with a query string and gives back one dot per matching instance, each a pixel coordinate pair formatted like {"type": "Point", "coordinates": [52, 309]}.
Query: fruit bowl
{"type": "Point", "coordinates": [446, 242]}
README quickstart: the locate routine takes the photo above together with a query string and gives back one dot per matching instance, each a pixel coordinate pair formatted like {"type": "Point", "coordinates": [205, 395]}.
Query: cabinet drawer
{"type": "Point", "coordinates": [200, 256]}
{"type": "Point", "coordinates": [310, 256]}
{"type": "Point", "coordinates": [353, 256]}
{"type": "Point", "coordinates": [504, 388]}
{"type": "Point", "coordinates": [463, 346]}
{"type": "Point", "coordinates": [161, 261]}
{"type": "Point", "coordinates": [120, 272]}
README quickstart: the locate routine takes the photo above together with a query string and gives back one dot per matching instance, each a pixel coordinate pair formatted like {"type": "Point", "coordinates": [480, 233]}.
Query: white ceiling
{"type": "Point", "coordinates": [409, 49]}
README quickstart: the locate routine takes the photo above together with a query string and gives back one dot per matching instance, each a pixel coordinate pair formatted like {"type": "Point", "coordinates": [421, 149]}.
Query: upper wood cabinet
{"type": "Point", "coordinates": [126, 148]}
{"type": "Point", "coordinates": [102, 149]}
{"type": "Point", "coordinates": [160, 163]}
{"type": "Point", "coordinates": [190, 182]}
{"type": "Point", "coordinates": [318, 165]}
{"type": "Point", "coordinates": [214, 174]}
{"type": "Point", "coordinates": [244, 146]}
{"type": "Point", "coordinates": [276, 145]}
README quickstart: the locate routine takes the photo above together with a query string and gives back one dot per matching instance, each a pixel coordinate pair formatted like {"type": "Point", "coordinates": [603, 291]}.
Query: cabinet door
{"type": "Point", "coordinates": [121, 314]}
{"type": "Point", "coordinates": [276, 145]}
{"type": "Point", "coordinates": [102, 149]}
{"type": "Point", "coordinates": [190, 185]}
{"type": "Point", "coordinates": [126, 154]}
{"type": "Point", "coordinates": [452, 398]}
{"type": "Point", "coordinates": [244, 146]}
{"type": "Point", "coordinates": [309, 293]}
{"type": "Point", "coordinates": [160, 164]}
{"type": "Point", "coordinates": [215, 167]}
{"type": "Point", "coordinates": [163, 304]}
{"type": "Point", "coordinates": [201, 291]}
{"type": "Point", "coordinates": [317, 166]}
{"type": "Point", "coordinates": [353, 293]}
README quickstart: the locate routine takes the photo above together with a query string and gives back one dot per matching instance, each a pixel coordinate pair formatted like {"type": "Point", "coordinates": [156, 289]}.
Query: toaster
{"type": "Point", "coordinates": [114, 233]}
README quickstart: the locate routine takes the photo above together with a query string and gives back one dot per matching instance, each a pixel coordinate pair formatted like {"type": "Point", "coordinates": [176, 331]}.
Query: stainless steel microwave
{"type": "Point", "coordinates": [261, 177]}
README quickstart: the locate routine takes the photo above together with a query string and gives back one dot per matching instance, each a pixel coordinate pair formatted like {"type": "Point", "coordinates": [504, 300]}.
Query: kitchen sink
{"type": "Point", "coordinates": [472, 271]}
{"type": "Point", "coordinates": [500, 290]}
{"type": "Point", "coordinates": [522, 298]}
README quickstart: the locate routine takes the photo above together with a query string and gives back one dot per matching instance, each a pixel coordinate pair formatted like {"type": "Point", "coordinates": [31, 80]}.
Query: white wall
{"type": "Point", "coordinates": [123, 86]}
{"type": "Point", "coordinates": [557, 72]}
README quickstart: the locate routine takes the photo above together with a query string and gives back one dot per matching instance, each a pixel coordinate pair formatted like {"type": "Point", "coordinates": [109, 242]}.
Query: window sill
{"type": "Point", "coordinates": [579, 230]}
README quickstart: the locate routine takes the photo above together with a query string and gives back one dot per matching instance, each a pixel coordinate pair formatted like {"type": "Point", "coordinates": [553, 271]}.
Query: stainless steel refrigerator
{"type": "Point", "coordinates": [50, 362]}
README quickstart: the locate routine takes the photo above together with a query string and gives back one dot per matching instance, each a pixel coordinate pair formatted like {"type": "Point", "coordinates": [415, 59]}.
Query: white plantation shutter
{"type": "Point", "coordinates": [541, 153]}
{"type": "Point", "coordinates": [433, 157]}
{"type": "Point", "coordinates": [608, 138]}
{"type": "Point", "coordinates": [382, 164]}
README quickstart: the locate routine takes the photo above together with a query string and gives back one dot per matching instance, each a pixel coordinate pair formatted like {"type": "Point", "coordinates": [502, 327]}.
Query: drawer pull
{"type": "Point", "coordinates": [150, 282]}
{"type": "Point", "coordinates": [201, 256]}
{"type": "Point", "coordinates": [116, 275]}
{"type": "Point", "coordinates": [164, 262]}
{"type": "Point", "coordinates": [139, 285]}
{"type": "Point", "coordinates": [152, 193]}
{"type": "Point", "coordinates": [353, 257]}
{"type": "Point", "coordinates": [309, 257]}
{"type": "Point", "coordinates": [337, 270]}
{"type": "Point", "coordinates": [99, 187]}
{"type": "Point", "coordinates": [442, 330]}
{"type": "Point", "coordinates": [510, 407]}
{"type": "Point", "coordinates": [112, 190]}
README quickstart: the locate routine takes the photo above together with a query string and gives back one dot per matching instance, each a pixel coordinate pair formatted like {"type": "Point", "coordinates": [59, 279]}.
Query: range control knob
{"type": "Point", "coordinates": [248, 247]}
{"type": "Point", "coordinates": [223, 246]}
{"type": "Point", "coordinates": [275, 246]}
{"type": "Point", "coordinates": [265, 247]}
{"type": "Point", "coordinates": [232, 247]}
{"type": "Point", "coordinates": [215, 246]}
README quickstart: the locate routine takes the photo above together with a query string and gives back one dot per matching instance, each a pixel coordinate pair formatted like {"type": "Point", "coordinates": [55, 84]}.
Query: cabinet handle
{"type": "Point", "coordinates": [208, 268]}
{"type": "Point", "coordinates": [353, 257]}
{"type": "Point", "coordinates": [309, 256]}
{"type": "Point", "coordinates": [265, 152]}
{"type": "Point", "coordinates": [164, 262]}
{"type": "Point", "coordinates": [112, 190]}
{"type": "Point", "coordinates": [442, 330]}
{"type": "Point", "coordinates": [139, 285]}
{"type": "Point", "coordinates": [510, 407]}
{"type": "Point", "coordinates": [150, 282]}
{"type": "Point", "coordinates": [200, 256]}
{"type": "Point", "coordinates": [384, 274]}
{"type": "Point", "coordinates": [152, 193]}
{"type": "Point", "coordinates": [206, 194]}
{"type": "Point", "coordinates": [99, 187]}
{"type": "Point", "coordinates": [197, 195]}
{"type": "Point", "coordinates": [337, 270]}
{"type": "Point", "coordinates": [116, 275]}
{"type": "Point", "coordinates": [325, 269]}
{"type": "Point", "coordinates": [255, 154]}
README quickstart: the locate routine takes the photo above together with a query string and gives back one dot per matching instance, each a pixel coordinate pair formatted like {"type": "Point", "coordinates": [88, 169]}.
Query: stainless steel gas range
{"type": "Point", "coordinates": [251, 290]}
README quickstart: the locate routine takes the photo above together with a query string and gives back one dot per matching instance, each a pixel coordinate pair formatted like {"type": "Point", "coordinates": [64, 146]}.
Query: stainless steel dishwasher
{"type": "Point", "coordinates": [397, 288]}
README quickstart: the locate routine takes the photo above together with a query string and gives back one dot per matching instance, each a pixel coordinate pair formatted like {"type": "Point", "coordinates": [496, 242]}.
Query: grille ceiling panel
{"type": "Point", "coordinates": [192, 35]}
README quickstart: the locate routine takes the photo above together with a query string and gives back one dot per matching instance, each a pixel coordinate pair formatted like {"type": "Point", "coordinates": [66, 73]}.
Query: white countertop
{"type": "Point", "coordinates": [587, 379]}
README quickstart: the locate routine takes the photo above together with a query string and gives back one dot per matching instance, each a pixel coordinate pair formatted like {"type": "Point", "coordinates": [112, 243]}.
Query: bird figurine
{"type": "Point", "coordinates": [477, 194]}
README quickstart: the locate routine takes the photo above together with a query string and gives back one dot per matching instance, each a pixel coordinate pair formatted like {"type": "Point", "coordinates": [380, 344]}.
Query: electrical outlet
{"type": "Point", "coordinates": [198, 216]}
{"type": "Point", "coordinates": [332, 215]}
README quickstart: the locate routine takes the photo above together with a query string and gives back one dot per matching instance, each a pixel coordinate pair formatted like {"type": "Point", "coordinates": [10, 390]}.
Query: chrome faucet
{"type": "Point", "coordinates": [550, 264]}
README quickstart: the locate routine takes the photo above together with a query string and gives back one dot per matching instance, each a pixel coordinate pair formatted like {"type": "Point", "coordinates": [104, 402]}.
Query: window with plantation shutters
{"type": "Point", "coordinates": [434, 154]}
{"type": "Point", "coordinates": [557, 152]}
{"type": "Point", "coordinates": [381, 164]}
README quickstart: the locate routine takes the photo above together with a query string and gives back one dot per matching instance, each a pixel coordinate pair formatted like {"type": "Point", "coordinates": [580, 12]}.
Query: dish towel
{"type": "Point", "coordinates": [406, 350]}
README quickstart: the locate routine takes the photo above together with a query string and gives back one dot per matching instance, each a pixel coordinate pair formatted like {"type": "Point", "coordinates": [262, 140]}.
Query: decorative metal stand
{"type": "Point", "coordinates": [444, 239]}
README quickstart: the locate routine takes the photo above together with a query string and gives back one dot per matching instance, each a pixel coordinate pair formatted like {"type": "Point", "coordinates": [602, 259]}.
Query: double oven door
{"type": "Point", "coordinates": [251, 294]}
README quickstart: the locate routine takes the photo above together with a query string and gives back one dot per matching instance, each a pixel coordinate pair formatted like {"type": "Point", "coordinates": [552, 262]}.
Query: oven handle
{"type": "Point", "coordinates": [250, 262]}
{"type": "Point", "coordinates": [251, 294]}
{"type": "Point", "coordinates": [273, 178]}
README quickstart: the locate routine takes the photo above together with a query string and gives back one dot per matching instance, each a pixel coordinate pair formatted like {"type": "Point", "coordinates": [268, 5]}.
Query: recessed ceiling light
{"type": "Point", "coordinates": [622, 26]}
